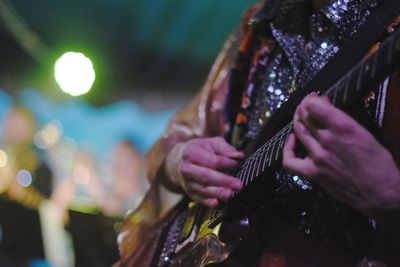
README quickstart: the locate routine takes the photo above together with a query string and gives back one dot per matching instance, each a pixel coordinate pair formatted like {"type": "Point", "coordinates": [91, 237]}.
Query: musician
{"type": "Point", "coordinates": [326, 207]}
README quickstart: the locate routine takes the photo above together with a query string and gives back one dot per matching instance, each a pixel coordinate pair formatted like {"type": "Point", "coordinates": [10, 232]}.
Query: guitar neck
{"type": "Point", "coordinates": [365, 76]}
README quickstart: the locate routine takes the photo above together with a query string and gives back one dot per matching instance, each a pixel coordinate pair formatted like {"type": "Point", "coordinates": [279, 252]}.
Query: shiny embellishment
{"type": "Point", "coordinates": [300, 43]}
{"type": "Point", "coordinates": [348, 15]}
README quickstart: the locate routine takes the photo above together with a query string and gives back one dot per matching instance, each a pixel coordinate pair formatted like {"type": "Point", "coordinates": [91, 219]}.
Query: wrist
{"type": "Point", "coordinates": [172, 165]}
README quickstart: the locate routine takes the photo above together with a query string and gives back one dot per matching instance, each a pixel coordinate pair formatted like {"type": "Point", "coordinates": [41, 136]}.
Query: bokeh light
{"type": "Point", "coordinates": [74, 73]}
{"type": "Point", "coordinates": [49, 135]}
{"type": "Point", "coordinates": [3, 158]}
{"type": "Point", "coordinates": [81, 175]}
{"type": "Point", "coordinates": [24, 178]}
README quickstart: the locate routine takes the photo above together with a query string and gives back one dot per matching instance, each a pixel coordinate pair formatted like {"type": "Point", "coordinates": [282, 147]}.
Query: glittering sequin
{"type": "Point", "coordinates": [303, 41]}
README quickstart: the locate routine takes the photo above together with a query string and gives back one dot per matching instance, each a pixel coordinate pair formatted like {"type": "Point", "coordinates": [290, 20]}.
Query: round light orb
{"type": "Point", "coordinates": [24, 178]}
{"type": "Point", "coordinates": [74, 73]}
{"type": "Point", "coordinates": [3, 158]}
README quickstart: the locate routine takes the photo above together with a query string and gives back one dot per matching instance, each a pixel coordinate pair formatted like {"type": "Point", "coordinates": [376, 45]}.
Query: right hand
{"type": "Point", "coordinates": [202, 170]}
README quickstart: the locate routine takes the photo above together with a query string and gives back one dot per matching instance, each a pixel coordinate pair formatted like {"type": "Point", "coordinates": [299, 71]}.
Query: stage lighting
{"type": "Point", "coordinates": [74, 73]}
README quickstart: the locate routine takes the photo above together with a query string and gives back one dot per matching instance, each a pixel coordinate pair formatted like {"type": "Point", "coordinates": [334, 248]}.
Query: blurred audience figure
{"type": "Point", "coordinates": [25, 183]}
{"type": "Point", "coordinates": [24, 177]}
{"type": "Point", "coordinates": [130, 183]}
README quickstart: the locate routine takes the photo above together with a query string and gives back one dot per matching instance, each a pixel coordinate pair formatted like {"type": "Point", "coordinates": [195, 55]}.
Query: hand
{"type": "Point", "coordinates": [201, 168]}
{"type": "Point", "coordinates": [343, 157]}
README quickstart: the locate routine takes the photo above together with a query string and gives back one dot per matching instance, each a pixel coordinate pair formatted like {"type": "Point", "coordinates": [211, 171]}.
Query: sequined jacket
{"type": "Point", "coordinates": [211, 113]}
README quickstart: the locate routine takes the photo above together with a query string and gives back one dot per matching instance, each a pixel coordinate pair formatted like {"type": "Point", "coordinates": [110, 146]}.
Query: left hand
{"type": "Point", "coordinates": [343, 157]}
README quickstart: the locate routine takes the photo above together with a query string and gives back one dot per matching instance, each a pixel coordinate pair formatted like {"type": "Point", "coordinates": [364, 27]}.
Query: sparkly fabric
{"type": "Point", "coordinates": [287, 53]}
{"type": "Point", "coordinates": [302, 206]}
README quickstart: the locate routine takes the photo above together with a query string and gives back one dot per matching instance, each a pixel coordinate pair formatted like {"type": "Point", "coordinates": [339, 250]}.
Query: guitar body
{"type": "Point", "coordinates": [227, 243]}
{"type": "Point", "coordinates": [229, 236]}
{"type": "Point", "coordinates": [232, 236]}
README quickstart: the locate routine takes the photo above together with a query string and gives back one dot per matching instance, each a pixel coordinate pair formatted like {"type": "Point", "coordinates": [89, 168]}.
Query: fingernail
{"type": "Point", "coordinates": [238, 185]}
{"type": "Point", "coordinates": [326, 98]}
{"type": "Point", "coordinates": [238, 154]}
{"type": "Point", "coordinates": [213, 202]}
{"type": "Point", "coordinates": [228, 194]}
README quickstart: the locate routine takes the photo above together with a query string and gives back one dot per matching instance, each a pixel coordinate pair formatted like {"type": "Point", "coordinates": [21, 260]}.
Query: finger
{"type": "Point", "coordinates": [323, 135]}
{"type": "Point", "coordinates": [211, 160]}
{"type": "Point", "coordinates": [209, 177]}
{"type": "Point", "coordinates": [211, 191]}
{"type": "Point", "coordinates": [209, 202]}
{"type": "Point", "coordinates": [306, 138]}
{"type": "Point", "coordinates": [289, 148]}
{"type": "Point", "coordinates": [323, 112]}
{"type": "Point", "coordinates": [292, 163]}
{"type": "Point", "coordinates": [221, 147]}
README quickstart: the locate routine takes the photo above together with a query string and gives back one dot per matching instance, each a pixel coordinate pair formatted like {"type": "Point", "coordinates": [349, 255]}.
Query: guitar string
{"type": "Point", "coordinates": [341, 85]}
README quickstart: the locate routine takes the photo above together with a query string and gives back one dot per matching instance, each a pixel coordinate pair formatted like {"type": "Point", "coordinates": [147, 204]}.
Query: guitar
{"type": "Point", "coordinates": [201, 236]}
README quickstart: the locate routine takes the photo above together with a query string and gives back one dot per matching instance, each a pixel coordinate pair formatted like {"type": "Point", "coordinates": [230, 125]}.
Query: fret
{"type": "Point", "coordinates": [374, 62]}
{"type": "Point", "coordinates": [366, 68]}
{"type": "Point", "coordinates": [248, 173]}
{"type": "Point", "coordinates": [245, 174]}
{"type": "Point", "coordinates": [281, 139]}
{"type": "Point", "coordinates": [252, 168]}
{"type": "Point", "coordinates": [289, 130]}
{"type": "Point", "coordinates": [261, 159]}
{"type": "Point", "coordinates": [258, 162]}
{"type": "Point", "coordinates": [271, 154]}
{"type": "Point", "coordinates": [239, 174]}
{"type": "Point", "coordinates": [335, 92]}
{"type": "Point", "coordinates": [266, 155]}
{"type": "Point", "coordinates": [275, 151]}
{"type": "Point", "coordinates": [346, 87]}
{"type": "Point", "coordinates": [332, 91]}
{"type": "Point", "coordinates": [359, 79]}
{"type": "Point", "coordinates": [248, 169]}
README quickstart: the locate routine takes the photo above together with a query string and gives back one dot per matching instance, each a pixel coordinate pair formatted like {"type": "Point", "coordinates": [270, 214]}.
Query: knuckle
{"type": "Point", "coordinates": [223, 193]}
{"type": "Point", "coordinates": [188, 153]}
{"type": "Point", "coordinates": [201, 178]}
{"type": "Point", "coordinates": [184, 168]}
{"type": "Point", "coordinates": [344, 127]}
{"type": "Point", "coordinates": [326, 140]}
{"type": "Point", "coordinates": [321, 158]}
{"type": "Point", "coordinates": [186, 156]}
{"type": "Point", "coordinates": [202, 190]}
{"type": "Point", "coordinates": [213, 162]}
{"type": "Point", "coordinates": [189, 189]}
{"type": "Point", "coordinates": [313, 172]}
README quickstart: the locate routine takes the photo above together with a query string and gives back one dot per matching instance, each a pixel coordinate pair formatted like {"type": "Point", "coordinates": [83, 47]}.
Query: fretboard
{"type": "Point", "coordinates": [365, 76]}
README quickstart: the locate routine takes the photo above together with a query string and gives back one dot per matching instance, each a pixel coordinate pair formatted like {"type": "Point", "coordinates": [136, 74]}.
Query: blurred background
{"type": "Point", "coordinates": [86, 87]}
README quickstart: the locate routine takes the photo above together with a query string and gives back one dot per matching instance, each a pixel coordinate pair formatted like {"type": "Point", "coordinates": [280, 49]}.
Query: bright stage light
{"type": "Point", "coordinates": [74, 73]}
